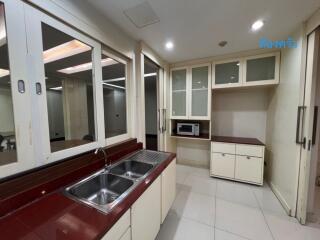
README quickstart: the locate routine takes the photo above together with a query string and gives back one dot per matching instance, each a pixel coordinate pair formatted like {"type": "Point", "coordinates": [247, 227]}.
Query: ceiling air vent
{"type": "Point", "coordinates": [142, 15]}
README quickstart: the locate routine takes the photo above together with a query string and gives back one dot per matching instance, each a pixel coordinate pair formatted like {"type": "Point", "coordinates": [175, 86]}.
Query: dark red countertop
{"type": "Point", "coordinates": [55, 216]}
{"type": "Point", "coordinates": [239, 140]}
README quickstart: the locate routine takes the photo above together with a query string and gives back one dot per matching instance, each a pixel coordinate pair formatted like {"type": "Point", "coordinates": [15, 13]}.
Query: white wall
{"type": "Point", "coordinates": [282, 151]}
{"type": "Point", "coordinates": [240, 113]}
{"type": "Point", "coordinates": [6, 111]}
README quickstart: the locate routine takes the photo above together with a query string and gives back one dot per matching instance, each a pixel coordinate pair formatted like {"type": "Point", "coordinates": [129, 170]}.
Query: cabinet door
{"type": "Point", "coordinates": [168, 189]}
{"type": "Point", "coordinates": [120, 229]}
{"type": "Point", "coordinates": [262, 70]}
{"type": "Point", "coordinates": [249, 169]}
{"type": "Point", "coordinates": [146, 213]}
{"type": "Point", "coordinates": [227, 74]}
{"type": "Point", "coordinates": [67, 85]}
{"type": "Point", "coordinates": [16, 145]}
{"type": "Point", "coordinates": [200, 97]}
{"type": "Point", "coordinates": [179, 93]}
{"type": "Point", "coordinates": [222, 165]}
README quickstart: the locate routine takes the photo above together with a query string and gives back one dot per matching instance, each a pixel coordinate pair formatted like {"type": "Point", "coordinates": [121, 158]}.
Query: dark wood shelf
{"type": "Point", "coordinates": [203, 136]}
{"type": "Point", "coordinates": [239, 140]}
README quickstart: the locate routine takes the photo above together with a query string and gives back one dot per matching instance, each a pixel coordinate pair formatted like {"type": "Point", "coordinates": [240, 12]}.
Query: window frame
{"type": "Point", "coordinates": [41, 136]}
{"type": "Point", "coordinates": [127, 63]}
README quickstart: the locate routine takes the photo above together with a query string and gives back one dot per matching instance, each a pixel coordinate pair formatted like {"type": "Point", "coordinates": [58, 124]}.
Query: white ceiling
{"type": "Point", "coordinates": [197, 26]}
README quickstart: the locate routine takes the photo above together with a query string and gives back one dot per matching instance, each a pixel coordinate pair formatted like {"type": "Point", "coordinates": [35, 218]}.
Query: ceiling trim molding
{"type": "Point", "coordinates": [151, 54]}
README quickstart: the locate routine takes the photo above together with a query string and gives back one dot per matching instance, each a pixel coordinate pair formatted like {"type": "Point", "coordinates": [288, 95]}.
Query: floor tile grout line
{"type": "Point", "coordinates": [194, 220]}
{"type": "Point", "coordinates": [235, 234]}
{"type": "Point", "coordinates": [264, 217]}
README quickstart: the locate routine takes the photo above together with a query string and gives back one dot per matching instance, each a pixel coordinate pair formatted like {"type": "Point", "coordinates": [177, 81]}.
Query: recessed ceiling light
{"type": "Point", "coordinates": [257, 25]}
{"type": "Point", "coordinates": [169, 45]}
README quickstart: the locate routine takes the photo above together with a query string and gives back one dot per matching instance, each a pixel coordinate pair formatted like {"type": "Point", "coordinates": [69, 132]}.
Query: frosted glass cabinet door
{"type": "Point", "coordinates": [262, 70]}
{"type": "Point", "coordinates": [227, 74]}
{"type": "Point", "coordinates": [200, 89]}
{"type": "Point", "coordinates": [179, 93]}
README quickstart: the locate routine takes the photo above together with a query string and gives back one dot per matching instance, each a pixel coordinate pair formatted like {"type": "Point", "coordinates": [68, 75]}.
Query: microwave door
{"type": "Point", "coordinates": [186, 130]}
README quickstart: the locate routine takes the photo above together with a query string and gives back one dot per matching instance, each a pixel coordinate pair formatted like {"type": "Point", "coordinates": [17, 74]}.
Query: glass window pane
{"type": "Point", "coordinates": [114, 96]}
{"type": "Point", "coordinates": [261, 69]}
{"type": "Point", "coordinates": [8, 152]}
{"type": "Point", "coordinates": [227, 73]}
{"type": "Point", "coordinates": [69, 81]}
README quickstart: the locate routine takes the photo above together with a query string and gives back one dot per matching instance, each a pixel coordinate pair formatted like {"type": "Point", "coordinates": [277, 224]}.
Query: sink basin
{"type": "Point", "coordinates": [102, 189]}
{"type": "Point", "coordinates": [131, 169]}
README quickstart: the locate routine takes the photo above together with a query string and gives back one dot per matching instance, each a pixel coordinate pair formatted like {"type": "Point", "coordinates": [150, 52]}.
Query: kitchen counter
{"type": "Point", "coordinates": [55, 216]}
{"type": "Point", "coordinates": [239, 140]}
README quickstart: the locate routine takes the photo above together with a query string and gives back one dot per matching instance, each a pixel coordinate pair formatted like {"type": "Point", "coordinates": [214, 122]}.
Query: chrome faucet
{"type": "Point", "coordinates": [104, 155]}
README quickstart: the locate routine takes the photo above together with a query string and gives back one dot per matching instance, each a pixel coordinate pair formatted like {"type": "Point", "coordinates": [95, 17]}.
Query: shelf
{"type": "Point", "coordinates": [203, 136]}
{"type": "Point", "coordinates": [182, 90]}
{"type": "Point", "coordinates": [200, 89]}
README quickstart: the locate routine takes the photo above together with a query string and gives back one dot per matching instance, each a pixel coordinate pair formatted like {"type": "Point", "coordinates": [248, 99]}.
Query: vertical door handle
{"type": "Point", "coordinates": [159, 122]}
{"type": "Point", "coordinates": [164, 124]}
{"type": "Point", "coordinates": [298, 130]}
{"type": "Point", "coordinates": [315, 122]}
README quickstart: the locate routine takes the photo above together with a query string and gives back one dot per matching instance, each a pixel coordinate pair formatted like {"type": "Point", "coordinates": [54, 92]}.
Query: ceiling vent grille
{"type": "Point", "coordinates": [142, 15]}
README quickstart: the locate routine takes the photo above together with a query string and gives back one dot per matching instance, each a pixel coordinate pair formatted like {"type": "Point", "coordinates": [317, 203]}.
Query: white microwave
{"type": "Point", "coordinates": [189, 129]}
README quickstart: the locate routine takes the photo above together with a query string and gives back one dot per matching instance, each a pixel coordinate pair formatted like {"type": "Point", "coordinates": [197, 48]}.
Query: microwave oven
{"type": "Point", "coordinates": [189, 129]}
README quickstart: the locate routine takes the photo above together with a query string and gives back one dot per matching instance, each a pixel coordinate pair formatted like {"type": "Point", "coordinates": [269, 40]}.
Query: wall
{"type": "Point", "coordinates": [240, 113]}
{"type": "Point", "coordinates": [282, 151]}
{"type": "Point", "coordinates": [6, 111]}
{"type": "Point", "coordinates": [151, 105]}
{"type": "Point", "coordinates": [55, 114]}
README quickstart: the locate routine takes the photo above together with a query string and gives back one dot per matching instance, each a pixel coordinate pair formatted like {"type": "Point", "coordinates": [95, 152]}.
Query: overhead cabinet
{"type": "Point", "coordinates": [190, 92]}
{"type": "Point", "coordinates": [249, 71]}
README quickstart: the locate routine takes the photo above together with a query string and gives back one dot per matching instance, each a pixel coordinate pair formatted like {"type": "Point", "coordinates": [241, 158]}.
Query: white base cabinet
{"type": "Point", "coordinates": [146, 213]}
{"type": "Point", "coordinates": [168, 189]}
{"type": "Point", "coordinates": [143, 220]}
{"type": "Point", "coordinates": [121, 230]}
{"type": "Point", "coordinates": [240, 162]}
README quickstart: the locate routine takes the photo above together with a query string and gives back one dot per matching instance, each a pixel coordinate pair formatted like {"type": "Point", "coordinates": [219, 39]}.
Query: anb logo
{"type": "Point", "coordinates": [289, 43]}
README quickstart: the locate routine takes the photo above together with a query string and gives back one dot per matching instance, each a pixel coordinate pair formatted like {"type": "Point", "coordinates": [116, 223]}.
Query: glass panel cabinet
{"type": "Point", "coordinates": [191, 92]}
{"type": "Point", "coordinates": [200, 91]}
{"type": "Point", "coordinates": [227, 74]}
{"type": "Point", "coordinates": [262, 70]}
{"type": "Point", "coordinates": [179, 93]}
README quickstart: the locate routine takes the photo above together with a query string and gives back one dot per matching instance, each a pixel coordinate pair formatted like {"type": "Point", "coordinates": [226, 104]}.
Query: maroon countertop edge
{"type": "Point", "coordinates": [240, 140]}
{"type": "Point", "coordinates": [55, 216]}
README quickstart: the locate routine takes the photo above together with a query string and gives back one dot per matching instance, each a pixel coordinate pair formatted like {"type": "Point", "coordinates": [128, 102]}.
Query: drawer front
{"type": "Point", "coordinates": [222, 165]}
{"type": "Point", "coordinates": [249, 169]}
{"type": "Point", "coordinates": [250, 150]}
{"type": "Point", "coordinates": [223, 147]}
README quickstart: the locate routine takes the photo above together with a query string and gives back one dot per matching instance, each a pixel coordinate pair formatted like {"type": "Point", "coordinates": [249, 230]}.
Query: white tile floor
{"type": "Point", "coordinates": [212, 209]}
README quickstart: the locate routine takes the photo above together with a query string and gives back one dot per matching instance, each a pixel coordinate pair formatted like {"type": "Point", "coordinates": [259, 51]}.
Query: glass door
{"type": "Point", "coordinates": [16, 147]}
{"type": "Point", "coordinates": [179, 94]}
{"type": "Point", "coordinates": [227, 74]}
{"type": "Point", "coordinates": [67, 83]}
{"type": "Point", "coordinates": [200, 92]}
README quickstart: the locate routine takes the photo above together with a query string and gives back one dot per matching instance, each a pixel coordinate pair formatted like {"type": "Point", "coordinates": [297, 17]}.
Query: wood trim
{"type": "Point", "coordinates": [20, 189]}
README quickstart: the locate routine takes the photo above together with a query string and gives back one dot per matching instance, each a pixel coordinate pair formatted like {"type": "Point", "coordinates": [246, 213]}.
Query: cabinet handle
{"type": "Point", "coordinates": [21, 86]}
{"type": "Point", "coordinates": [314, 128]}
{"type": "Point", "coordinates": [38, 88]}
{"type": "Point", "coordinates": [301, 109]}
{"type": "Point", "coordinates": [223, 154]}
{"type": "Point", "coordinates": [248, 157]}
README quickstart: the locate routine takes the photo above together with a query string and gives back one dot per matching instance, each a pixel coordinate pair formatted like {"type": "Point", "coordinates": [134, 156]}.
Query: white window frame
{"type": "Point", "coordinates": [17, 53]}
{"type": "Point", "coordinates": [41, 136]}
{"type": "Point", "coordinates": [127, 135]}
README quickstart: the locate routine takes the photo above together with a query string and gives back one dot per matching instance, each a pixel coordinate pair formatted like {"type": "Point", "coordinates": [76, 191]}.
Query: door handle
{"type": "Point", "coordinates": [301, 109]}
{"type": "Point", "coordinates": [315, 122]}
{"type": "Point", "coordinates": [164, 126]}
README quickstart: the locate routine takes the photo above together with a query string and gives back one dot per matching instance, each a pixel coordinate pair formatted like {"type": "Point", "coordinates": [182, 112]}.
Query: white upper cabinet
{"type": "Point", "coordinates": [227, 74]}
{"type": "Point", "coordinates": [179, 93]}
{"type": "Point", "coordinates": [16, 145]}
{"type": "Point", "coordinates": [191, 92]}
{"type": "Point", "coordinates": [261, 70]}
{"type": "Point", "coordinates": [248, 71]}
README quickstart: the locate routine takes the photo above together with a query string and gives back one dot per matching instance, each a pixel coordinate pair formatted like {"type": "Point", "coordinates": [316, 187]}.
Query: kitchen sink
{"type": "Point", "coordinates": [131, 169]}
{"type": "Point", "coordinates": [102, 189]}
{"type": "Point", "coordinates": [106, 188]}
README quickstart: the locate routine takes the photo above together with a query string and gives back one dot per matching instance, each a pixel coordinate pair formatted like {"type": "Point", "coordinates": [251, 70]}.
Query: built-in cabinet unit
{"type": "Point", "coordinates": [143, 220]}
{"type": "Point", "coordinates": [256, 70]}
{"type": "Point", "coordinates": [240, 162]}
{"type": "Point", "coordinates": [191, 92]}
{"type": "Point", "coordinates": [168, 190]}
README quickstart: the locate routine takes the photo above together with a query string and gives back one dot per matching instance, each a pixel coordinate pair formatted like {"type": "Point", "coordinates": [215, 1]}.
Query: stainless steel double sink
{"type": "Point", "coordinates": [108, 187]}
